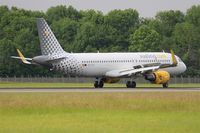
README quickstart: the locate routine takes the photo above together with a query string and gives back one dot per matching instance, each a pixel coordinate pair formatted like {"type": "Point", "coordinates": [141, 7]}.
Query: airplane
{"type": "Point", "coordinates": [156, 67]}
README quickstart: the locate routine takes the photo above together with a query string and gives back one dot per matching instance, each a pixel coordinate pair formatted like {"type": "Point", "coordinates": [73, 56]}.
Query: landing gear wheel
{"type": "Point", "coordinates": [130, 84]}
{"type": "Point", "coordinates": [98, 84]}
{"type": "Point", "coordinates": [165, 85]}
{"type": "Point", "coordinates": [133, 84]}
{"type": "Point", "coordinates": [101, 84]}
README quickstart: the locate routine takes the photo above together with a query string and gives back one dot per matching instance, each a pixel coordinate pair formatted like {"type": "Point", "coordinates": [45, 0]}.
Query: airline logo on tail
{"type": "Point", "coordinates": [46, 33]}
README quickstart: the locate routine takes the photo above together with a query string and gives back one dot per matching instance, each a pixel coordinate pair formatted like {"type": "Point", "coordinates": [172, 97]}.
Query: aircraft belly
{"type": "Point", "coordinates": [100, 70]}
{"type": "Point", "coordinates": [95, 71]}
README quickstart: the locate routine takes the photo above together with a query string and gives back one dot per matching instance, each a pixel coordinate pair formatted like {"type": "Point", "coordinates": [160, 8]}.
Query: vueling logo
{"type": "Point", "coordinates": [162, 56]}
{"type": "Point", "coordinates": [155, 56]}
{"type": "Point", "coordinates": [45, 33]}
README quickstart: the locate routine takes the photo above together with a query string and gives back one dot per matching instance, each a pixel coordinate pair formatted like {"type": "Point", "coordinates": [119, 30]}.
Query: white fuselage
{"type": "Point", "coordinates": [97, 64]}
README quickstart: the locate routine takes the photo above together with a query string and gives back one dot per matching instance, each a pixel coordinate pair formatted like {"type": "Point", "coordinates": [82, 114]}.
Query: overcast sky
{"type": "Point", "coordinates": [146, 8]}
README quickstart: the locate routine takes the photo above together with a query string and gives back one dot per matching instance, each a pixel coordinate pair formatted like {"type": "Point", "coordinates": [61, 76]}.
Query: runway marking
{"type": "Point", "coordinates": [101, 90]}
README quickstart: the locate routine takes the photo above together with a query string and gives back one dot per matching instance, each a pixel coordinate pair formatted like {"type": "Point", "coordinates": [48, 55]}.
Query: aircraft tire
{"type": "Point", "coordinates": [96, 84]}
{"type": "Point", "coordinates": [133, 84]}
{"type": "Point", "coordinates": [130, 84]}
{"type": "Point", "coordinates": [165, 85]}
{"type": "Point", "coordinates": [101, 84]}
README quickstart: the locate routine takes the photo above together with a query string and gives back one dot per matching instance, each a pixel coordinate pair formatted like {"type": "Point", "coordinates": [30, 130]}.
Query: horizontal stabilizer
{"type": "Point", "coordinates": [45, 59]}
{"type": "Point", "coordinates": [22, 58]}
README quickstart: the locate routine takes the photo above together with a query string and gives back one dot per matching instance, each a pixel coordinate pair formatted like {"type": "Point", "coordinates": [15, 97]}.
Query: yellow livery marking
{"type": "Point", "coordinates": [46, 33]}
{"type": "Point", "coordinates": [21, 55]}
{"type": "Point", "coordinates": [163, 56]}
{"type": "Point", "coordinates": [173, 58]}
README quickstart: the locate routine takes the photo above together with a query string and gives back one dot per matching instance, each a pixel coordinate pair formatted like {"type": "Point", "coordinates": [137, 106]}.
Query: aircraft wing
{"type": "Point", "coordinates": [129, 72]}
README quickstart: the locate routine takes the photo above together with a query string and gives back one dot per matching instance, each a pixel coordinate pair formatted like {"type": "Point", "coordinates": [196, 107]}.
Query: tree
{"type": "Point", "coordinates": [164, 23]}
{"type": "Point", "coordinates": [193, 15]}
{"type": "Point", "coordinates": [124, 22]}
{"type": "Point", "coordinates": [65, 30]}
{"type": "Point", "coordinates": [92, 16]}
{"type": "Point", "coordinates": [60, 12]}
{"type": "Point", "coordinates": [144, 39]}
{"type": "Point", "coordinates": [187, 38]}
{"type": "Point", "coordinates": [3, 10]}
{"type": "Point", "coordinates": [168, 20]}
{"type": "Point", "coordinates": [6, 65]}
{"type": "Point", "coordinates": [93, 37]}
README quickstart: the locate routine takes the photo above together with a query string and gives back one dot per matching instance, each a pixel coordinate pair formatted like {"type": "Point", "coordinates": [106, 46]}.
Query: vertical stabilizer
{"type": "Point", "coordinates": [48, 42]}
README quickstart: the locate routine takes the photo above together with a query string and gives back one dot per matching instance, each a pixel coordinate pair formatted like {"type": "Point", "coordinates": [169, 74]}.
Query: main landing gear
{"type": "Point", "coordinates": [98, 83]}
{"type": "Point", "coordinates": [165, 85]}
{"type": "Point", "coordinates": [130, 84]}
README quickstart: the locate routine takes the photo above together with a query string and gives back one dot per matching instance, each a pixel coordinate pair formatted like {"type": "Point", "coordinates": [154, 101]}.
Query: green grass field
{"type": "Point", "coordinates": [141, 112]}
{"type": "Point", "coordinates": [79, 85]}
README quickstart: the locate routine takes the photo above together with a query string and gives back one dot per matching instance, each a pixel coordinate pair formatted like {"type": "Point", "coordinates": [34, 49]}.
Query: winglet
{"type": "Point", "coordinates": [22, 57]}
{"type": "Point", "coordinates": [174, 61]}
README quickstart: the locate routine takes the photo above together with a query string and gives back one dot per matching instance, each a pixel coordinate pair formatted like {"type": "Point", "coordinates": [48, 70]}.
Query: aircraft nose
{"type": "Point", "coordinates": [184, 67]}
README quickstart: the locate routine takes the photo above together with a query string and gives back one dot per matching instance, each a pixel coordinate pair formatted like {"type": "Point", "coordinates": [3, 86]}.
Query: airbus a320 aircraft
{"type": "Point", "coordinates": [105, 67]}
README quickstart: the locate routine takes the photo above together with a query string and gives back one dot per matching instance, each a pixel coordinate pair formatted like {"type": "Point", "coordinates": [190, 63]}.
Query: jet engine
{"type": "Point", "coordinates": [158, 77]}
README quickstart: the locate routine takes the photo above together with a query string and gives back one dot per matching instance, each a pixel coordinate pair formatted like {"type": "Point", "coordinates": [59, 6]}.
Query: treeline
{"type": "Point", "coordinates": [92, 31]}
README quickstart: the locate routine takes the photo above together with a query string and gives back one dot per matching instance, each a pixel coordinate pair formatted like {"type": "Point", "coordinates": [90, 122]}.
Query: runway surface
{"type": "Point", "coordinates": [100, 90]}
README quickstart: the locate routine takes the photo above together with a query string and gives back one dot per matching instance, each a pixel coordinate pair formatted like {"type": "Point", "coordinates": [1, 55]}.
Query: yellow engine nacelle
{"type": "Point", "coordinates": [158, 77]}
{"type": "Point", "coordinates": [111, 80]}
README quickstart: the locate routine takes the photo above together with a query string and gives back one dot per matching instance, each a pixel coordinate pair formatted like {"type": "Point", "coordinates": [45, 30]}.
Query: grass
{"type": "Point", "coordinates": [140, 112]}
{"type": "Point", "coordinates": [78, 85]}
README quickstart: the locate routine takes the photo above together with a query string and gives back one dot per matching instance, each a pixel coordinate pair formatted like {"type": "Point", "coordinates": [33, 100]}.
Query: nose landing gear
{"type": "Point", "coordinates": [98, 83]}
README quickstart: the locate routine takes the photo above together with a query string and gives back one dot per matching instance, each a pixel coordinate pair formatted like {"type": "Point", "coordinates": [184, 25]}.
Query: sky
{"type": "Point", "coordinates": [146, 8]}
